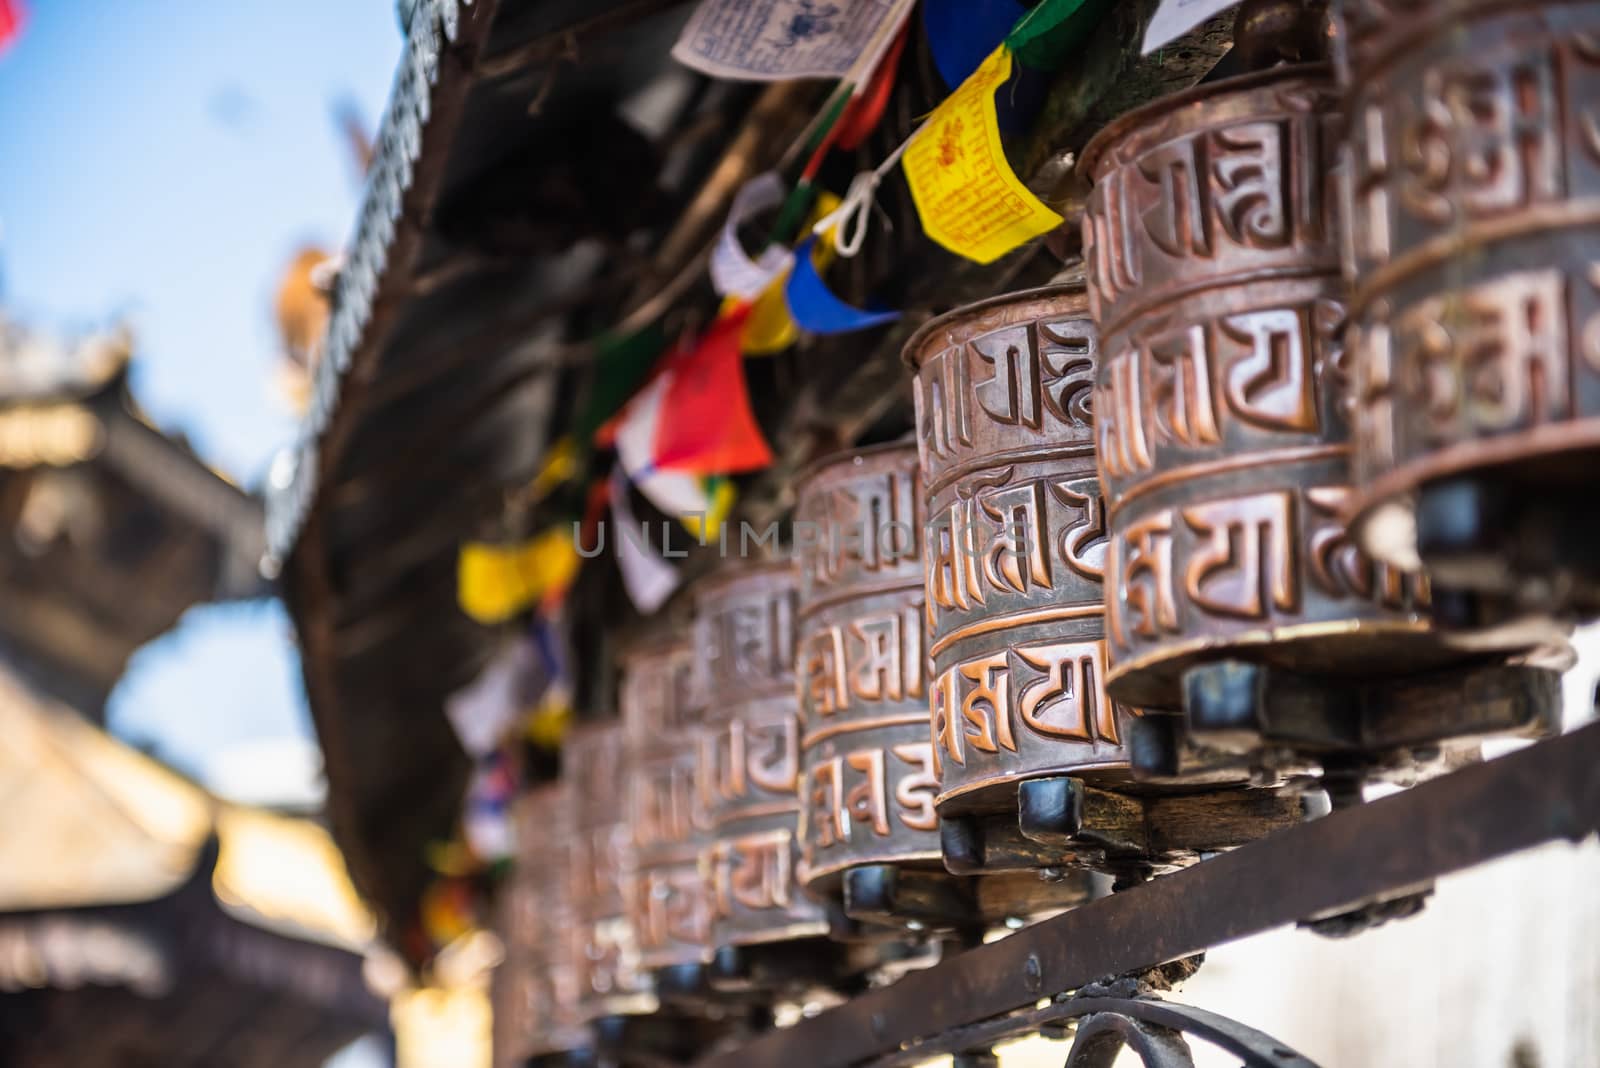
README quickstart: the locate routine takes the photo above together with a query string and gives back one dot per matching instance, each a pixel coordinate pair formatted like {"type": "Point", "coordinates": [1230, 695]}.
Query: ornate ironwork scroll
{"type": "Point", "coordinates": [610, 981]}
{"type": "Point", "coordinates": [668, 906]}
{"type": "Point", "coordinates": [536, 987]}
{"type": "Point", "coordinates": [1102, 1025]}
{"type": "Point", "coordinates": [750, 758]}
{"type": "Point", "coordinates": [1016, 547]}
{"type": "Point", "coordinates": [1474, 248]}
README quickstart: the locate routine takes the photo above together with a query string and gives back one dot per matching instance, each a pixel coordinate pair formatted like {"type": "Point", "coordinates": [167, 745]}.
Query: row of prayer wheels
{"type": "Point", "coordinates": [1277, 491]}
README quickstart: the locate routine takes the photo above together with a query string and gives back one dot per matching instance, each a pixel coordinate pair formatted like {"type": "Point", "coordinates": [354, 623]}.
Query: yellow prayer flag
{"type": "Point", "coordinates": [770, 328]}
{"type": "Point", "coordinates": [547, 724]}
{"type": "Point", "coordinates": [496, 582]}
{"type": "Point", "coordinates": [968, 197]}
{"type": "Point", "coordinates": [446, 909]}
{"type": "Point", "coordinates": [723, 494]}
{"type": "Point", "coordinates": [560, 465]}
{"type": "Point", "coordinates": [489, 583]}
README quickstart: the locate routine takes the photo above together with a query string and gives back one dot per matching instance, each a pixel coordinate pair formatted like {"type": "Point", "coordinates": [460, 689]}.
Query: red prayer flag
{"type": "Point", "coordinates": [861, 117]}
{"type": "Point", "coordinates": [11, 19]}
{"type": "Point", "coordinates": [705, 425]}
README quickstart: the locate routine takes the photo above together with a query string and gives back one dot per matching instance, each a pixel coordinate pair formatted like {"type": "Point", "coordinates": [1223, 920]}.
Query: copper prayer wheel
{"type": "Point", "coordinates": [1474, 251]}
{"type": "Point", "coordinates": [667, 901]}
{"type": "Point", "coordinates": [610, 981]}
{"type": "Point", "coordinates": [1028, 749]}
{"type": "Point", "coordinates": [1015, 547]}
{"type": "Point", "coordinates": [535, 990]}
{"type": "Point", "coordinates": [867, 782]}
{"type": "Point", "coordinates": [769, 933]}
{"type": "Point", "coordinates": [1224, 445]}
{"type": "Point", "coordinates": [1234, 590]}
{"type": "Point", "coordinates": [750, 758]}
{"type": "Point", "coordinates": [869, 829]}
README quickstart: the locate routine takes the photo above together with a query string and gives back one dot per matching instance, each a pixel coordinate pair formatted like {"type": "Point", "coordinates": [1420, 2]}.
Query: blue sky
{"type": "Point", "coordinates": [160, 161]}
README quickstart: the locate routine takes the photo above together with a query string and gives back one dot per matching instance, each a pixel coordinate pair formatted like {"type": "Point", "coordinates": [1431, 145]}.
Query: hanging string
{"type": "Point", "coordinates": [849, 220]}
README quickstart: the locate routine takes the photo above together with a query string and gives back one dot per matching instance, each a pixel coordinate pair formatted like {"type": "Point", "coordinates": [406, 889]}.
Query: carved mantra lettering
{"type": "Point", "coordinates": [870, 660]}
{"type": "Point", "coordinates": [996, 538]}
{"type": "Point", "coordinates": [1057, 695]}
{"type": "Point", "coordinates": [753, 872]}
{"type": "Point", "coordinates": [745, 760]}
{"type": "Point", "coordinates": [1033, 376]}
{"type": "Point", "coordinates": [598, 860]}
{"type": "Point", "coordinates": [868, 526]}
{"type": "Point", "coordinates": [610, 957]}
{"type": "Point", "coordinates": [749, 643]}
{"type": "Point", "coordinates": [1198, 197]}
{"type": "Point", "coordinates": [1246, 558]}
{"type": "Point", "coordinates": [849, 794]}
{"type": "Point", "coordinates": [671, 908]}
{"type": "Point", "coordinates": [1184, 389]}
{"type": "Point", "coordinates": [663, 803]}
{"type": "Point", "coordinates": [656, 693]}
{"type": "Point", "coordinates": [1488, 357]}
{"type": "Point", "coordinates": [1476, 136]}
{"type": "Point", "coordinates": [1479, 139]}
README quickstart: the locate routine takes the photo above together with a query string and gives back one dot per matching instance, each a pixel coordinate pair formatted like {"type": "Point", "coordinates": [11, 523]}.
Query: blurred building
{"type": "Point", "coordinates": [142, 921]}
{"type": "Point", "coordinates": [112, 528]}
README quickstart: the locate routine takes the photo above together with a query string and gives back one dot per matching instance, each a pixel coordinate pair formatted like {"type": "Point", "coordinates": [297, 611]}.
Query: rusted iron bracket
{"type": "Point", "coordinates": [1546, 792]}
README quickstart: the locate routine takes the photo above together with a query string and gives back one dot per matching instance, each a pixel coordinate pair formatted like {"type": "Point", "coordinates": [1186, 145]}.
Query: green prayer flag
{"type": "Point", "coordinates": [1044, 37]}
{"type": "Point", "coordinates": [621, 364]}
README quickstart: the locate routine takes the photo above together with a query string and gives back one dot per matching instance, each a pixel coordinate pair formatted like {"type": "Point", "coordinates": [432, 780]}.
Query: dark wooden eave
{"type": "Point", "coordinates": [440, 406]}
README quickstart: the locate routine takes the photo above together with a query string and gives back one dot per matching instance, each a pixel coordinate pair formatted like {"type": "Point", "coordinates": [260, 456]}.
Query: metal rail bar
{"type": "Point", "coordinates": [1545, 792]}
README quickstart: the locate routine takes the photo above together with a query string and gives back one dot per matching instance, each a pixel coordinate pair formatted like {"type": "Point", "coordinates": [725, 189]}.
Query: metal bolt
{"type": "Point", "coordinates": [1033, 974]}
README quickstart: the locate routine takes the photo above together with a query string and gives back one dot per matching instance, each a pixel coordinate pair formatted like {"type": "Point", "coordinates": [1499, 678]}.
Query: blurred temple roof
{"type": "Point", "coordinates": [142, 921]}
{"type": "Point", "coordinates": [112, 527]}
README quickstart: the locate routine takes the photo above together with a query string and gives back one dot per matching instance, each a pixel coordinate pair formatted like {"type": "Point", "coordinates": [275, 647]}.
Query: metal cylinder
{"type": "Point", "coordinates": [867, 775]}
{"type": "Point", "coordinates": [667, 901]}
{"type": "Point", "coordinates": [749, 763]}
{"type": "Point", "coordinates": [535, 991]}
{"type": "Point", "coordinates": [1211, 234]}
{"type": "Point", "coordinates": [1474, 250]}
{"type": "Point", "coordinates": [1015, 546]}
{"type": "Point", "coordinates": [610, 980]}
{"type": "Point", "coordinates": [869, 830]}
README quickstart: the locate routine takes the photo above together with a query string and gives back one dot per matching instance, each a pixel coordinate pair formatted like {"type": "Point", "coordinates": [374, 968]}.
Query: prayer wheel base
{"type": "Point", "coordinates": [1163, 754]}
{"type": "Point", "coordinates": [688, 988]}
{"type": "Point", "coordinates": [1269, 720]}
{"type": "Point", "coordinates": [572, 1058]}
{"type": "Point", "coordinates": [775, 970]}
{"type": "Point", "coordinates": [1061, 823]}
{"type": "Point", "coordinates": [918, 900]}
{"type": "Point", "coordinates": [1342, 649]}
{"type": "Point", "coordinates": [659, 1037]}
{"type": "Point", "coordinates": [1528, 545]}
